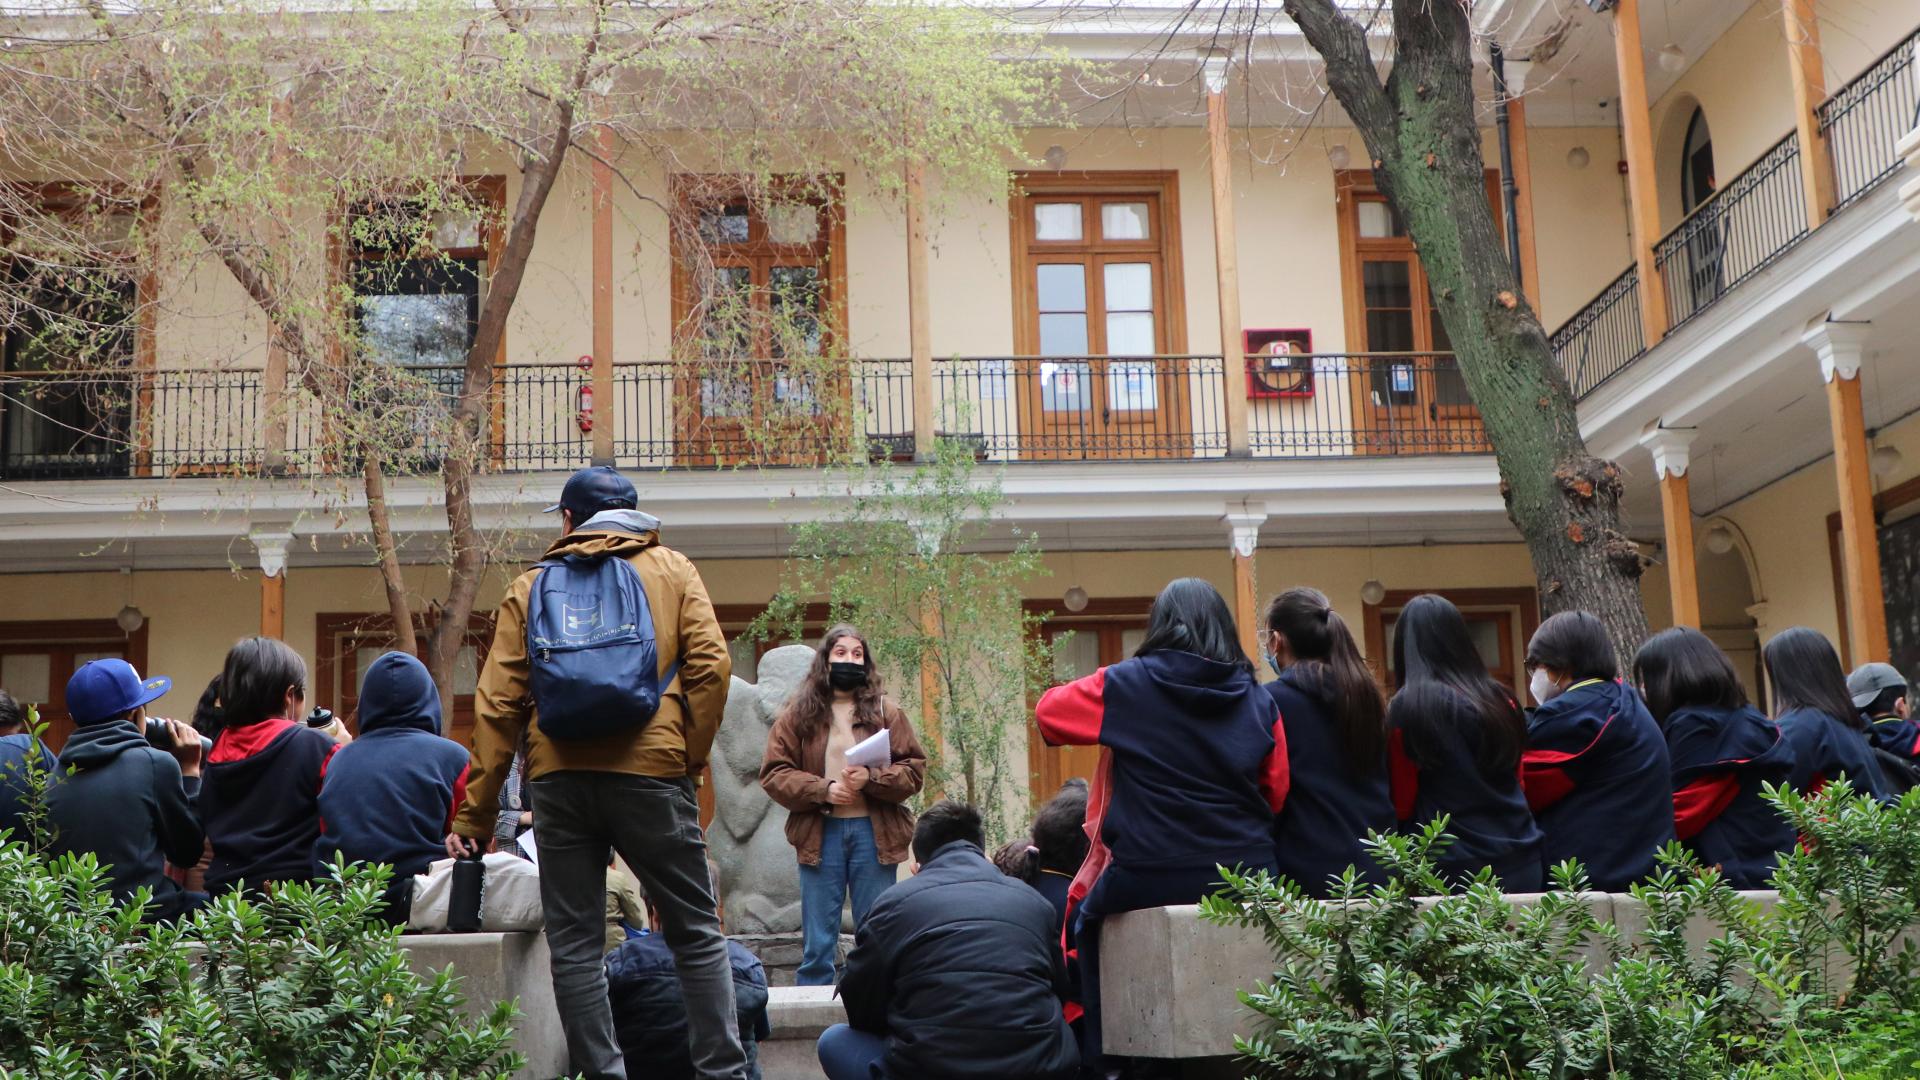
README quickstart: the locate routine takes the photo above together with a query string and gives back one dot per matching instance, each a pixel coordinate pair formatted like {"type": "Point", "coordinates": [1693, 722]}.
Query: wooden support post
{"type": "Point", "coordinates": [1523, 200]}
{"type": "Point", "coordinates": [1809, 90]}
{"type": "Point", "coordinates": [1643, 197]}
{"type": "Point", "coordinates": [1670, 459]}
{"type": "Point", "coordinates": [919, 315]}
{"type": "Point", "coordinates": [1226, 259]}
{"type": "Point", "coordinates": [1839, 346]}
{"type": "Point", "coordinates": [1243, 535]}
{"type": "Point", "coordinates": [604, 418]}
{"type": "Point", "coordinates": [272, 550]}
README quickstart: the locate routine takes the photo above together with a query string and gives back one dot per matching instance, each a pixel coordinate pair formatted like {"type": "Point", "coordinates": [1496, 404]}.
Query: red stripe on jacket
{"type": "Point", "coordinates": [1276, 779]}
{"type": "Point", "coordinates": [1700, 803]}
{"type": "Point", "coordinates": [1070, 714]}
{"type": "Point", "coordinates": [1403, 776]}
{"type": "Point", "coordinates": [459, 795]}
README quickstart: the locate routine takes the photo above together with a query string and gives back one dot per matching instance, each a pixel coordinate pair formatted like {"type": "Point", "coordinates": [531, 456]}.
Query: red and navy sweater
{"type": "Point", "coordinates": [1898, 737]}
{"type": "Point", "coordinates": [259, 800]}
{"type": "Point", "coordinates": [1595, 772]}
{"type": "Point", "coordinates": [1199, 759]}
{"type": "Point", "coordinates": [1329, 808]}
{"type": "Point", "coordinates": [1721, 758]}
{"type": "Point", "coordinates": [1824, 748]}
{"type": "Point", "coordinates": [1434, 769]}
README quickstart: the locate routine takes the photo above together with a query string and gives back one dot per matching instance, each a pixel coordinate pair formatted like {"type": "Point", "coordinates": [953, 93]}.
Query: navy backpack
{"type": "Point", "coordinates": [596, 670]}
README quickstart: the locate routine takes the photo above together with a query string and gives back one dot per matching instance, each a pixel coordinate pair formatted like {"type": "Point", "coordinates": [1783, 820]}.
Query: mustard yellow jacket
{"type": "Point", "coordinates": [673, 744]}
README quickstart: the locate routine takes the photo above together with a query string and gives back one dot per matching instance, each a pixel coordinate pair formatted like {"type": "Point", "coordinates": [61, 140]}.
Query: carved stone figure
{"type": "Point", "coordinates": [759, 879]}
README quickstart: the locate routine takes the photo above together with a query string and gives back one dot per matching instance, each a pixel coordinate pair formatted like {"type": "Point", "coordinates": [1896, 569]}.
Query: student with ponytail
{"type": "Point", "coordinates": [1454, 739]}
{"type": "Point", "coordinates": [1336, 726]}
{"type": "Point", "coordinates": [1595, 768]}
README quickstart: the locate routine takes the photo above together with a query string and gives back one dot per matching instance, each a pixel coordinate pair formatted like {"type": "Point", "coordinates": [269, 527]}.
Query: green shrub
{"type": "Point", "coordinates": [305, 984]}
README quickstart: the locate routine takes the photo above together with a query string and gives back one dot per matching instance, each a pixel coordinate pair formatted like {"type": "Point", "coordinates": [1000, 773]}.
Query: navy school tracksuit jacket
{"type": "Point", "coordinates": [390, 795]}
{"type": "Point", "coordinates": [1896, 736]}
{"type": "Point", "coordinates": [1199, 759]}
{"type": "Point", "coordinates": [1329, 809]}
{"type": "Point", "coordinates": [1721, 757]}
{"type": "Point", "coordinates": [1438, 773]}
{"type": "Point", "coordinates": [259, 799]}
{"type": "Point", "coordinates": [1823, 748]}
{"type": "Point", "coordinates": [1596, 777]}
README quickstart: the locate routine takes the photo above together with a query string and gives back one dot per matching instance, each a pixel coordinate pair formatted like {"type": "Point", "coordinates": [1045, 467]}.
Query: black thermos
{"type": "Point", "coordinates": [463, 906]}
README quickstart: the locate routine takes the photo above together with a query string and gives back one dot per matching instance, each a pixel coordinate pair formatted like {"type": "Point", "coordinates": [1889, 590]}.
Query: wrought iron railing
{"type": "Point", "coordinates": [1736, 233]}
{"type": "Point", "coordinates": [1866, 117]}
{"type": "Point", "coordinates": [761, 412]}
{"type": "Point", "coordinates": [1361, 405]}
{"type": "Point", "coordinates": [1602, 338]}
{"type": "Point", "coordinates": [1083, 408]}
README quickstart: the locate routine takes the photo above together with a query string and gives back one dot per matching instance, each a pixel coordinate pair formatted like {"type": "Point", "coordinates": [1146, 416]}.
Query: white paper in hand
{"type": "Point", "coordinates": [873, 752]}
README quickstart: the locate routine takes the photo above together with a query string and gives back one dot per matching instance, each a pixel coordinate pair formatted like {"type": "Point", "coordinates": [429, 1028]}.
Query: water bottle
{"type": "Point", "coordinates": [463, 905]}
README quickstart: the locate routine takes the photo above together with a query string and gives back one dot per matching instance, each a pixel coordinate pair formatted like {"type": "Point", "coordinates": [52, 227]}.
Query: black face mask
{"type": "Point", "coordinates": [845, 676]}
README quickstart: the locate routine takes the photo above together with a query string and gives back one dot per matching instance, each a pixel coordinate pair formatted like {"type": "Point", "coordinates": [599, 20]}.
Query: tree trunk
{"type": "Point", "coordinates": [1421, 132]}
{"type": "Point", "coordinates": [388, 553]}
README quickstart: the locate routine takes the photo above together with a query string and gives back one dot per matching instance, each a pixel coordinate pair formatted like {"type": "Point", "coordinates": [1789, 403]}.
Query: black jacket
{"type": "Point", "coordinates": [650, 1010]}
{"type": "Point", "coordinates": [127, 803]}
{"type": "Point", "coordinates": [955, 967]}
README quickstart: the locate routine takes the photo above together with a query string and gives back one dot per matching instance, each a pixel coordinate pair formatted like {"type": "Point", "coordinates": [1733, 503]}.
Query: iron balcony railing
{"type": "Point", "coordinates": [1735, 234]}
{"type": "Point", "coordinates": [1866, 117]}
{"type": "Point", "coordinates": [1361, 405]}
{"type": "Point", "coordinates": [1602, 338]}
{"type": "Point", "coordinates": [1083, 408]}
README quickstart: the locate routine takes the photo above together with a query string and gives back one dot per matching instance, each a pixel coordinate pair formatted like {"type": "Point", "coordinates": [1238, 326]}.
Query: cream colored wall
{"type": "Point", "coordinates": [1582, 240]}
{"type": "Point", "coordinates": [1854, 33]}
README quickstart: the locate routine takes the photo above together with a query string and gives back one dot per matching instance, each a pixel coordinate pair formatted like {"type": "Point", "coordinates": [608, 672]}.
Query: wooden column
{"type": "Point", "coordinates": [271, 548]}
{"type": "Point", "coordinates": [919, 315]}
{"type": "Point", "coordinates": [1523, 200]}
{"type": "Point", "coordinates": [1226, 259]}
{"type": "Point", "coordinates": [1670, 459]}
{"type": "Point", "coordinates": [1643, 197]}
{"type": "Point", "coordinates": [603, 410]}
{"type": "Point", "coordinates": [1809, 90]}
{"type": "Point", "coordinates": [1839, 346]}
{"type": "Point", "coordinates": [1243, 535]}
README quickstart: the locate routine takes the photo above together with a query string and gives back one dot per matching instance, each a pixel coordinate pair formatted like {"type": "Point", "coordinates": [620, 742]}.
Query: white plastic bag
{"type": "Point", "coordinates": [509, 900]}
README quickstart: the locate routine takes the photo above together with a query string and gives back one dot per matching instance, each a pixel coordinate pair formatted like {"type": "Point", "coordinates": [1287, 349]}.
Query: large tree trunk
{"type": "Point", "coordinates": [387, 552]}
{"type": "Point", "coordinates": [1421, 132]}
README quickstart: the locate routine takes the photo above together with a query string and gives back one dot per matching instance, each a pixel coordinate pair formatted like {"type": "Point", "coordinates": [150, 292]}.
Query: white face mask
{"type": "Point", "coordinates": [1542, 686]}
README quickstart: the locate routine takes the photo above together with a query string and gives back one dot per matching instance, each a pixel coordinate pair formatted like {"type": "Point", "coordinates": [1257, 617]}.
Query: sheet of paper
{"type": "Point", "coordinates": [873, 752]}
{"type": "Point", "coordinates": [525, 840]}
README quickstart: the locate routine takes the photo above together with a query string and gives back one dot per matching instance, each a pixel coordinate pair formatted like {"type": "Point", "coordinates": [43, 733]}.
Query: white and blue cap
{"type": "Point", "coordinates": [103, 689]}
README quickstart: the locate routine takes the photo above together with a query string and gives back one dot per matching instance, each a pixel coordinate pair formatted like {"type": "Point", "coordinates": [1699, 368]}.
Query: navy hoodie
{"type": "Point", "coordinates": [1721, 757]}
{"type": "Point", "coordinates": [1317, 835]}
{"type": "Point", "coordinates": [1439, 773]}
{"type": "Point", "coordinates": [1199, 759]}
{"type": "Point", "coordinates": [1595, 772]}
{"type": "Point", "coordinates": [1823, 748]}
{"type": "Point", "coordinates": [389, 796]}
{"type": "Point", "coordinates": [260, 803]}
{"type": "Point", "coordinates": [128, 804]}
{"type": "Point", "coordinates": [14, 751]}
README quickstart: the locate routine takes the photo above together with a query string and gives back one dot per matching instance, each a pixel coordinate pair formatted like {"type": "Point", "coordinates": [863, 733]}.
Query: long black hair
{"type": "Point", "coordinates": [1444, 684]}
{"type": "Point", "coordinates": [1682, 668]}
{"type": "Point", "coordinates": [1576, 644]}
{"type": "Point", "coordinates": [254, 682]}
{"type": "Point", "coordinates": [1326, 661]}
{"type": "Point", "coordinates": [1806, 674]}
{"type": "Point", "coordinates": [1191, 616]}
{"type": "Point", "coordinates": [810, 706]}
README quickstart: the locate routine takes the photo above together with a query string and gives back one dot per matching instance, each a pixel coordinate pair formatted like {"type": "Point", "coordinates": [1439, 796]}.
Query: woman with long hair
{"type": "Point", "coordinates": [1454, 740]}
{"type": "Point", "coordinates": [1825, 733]}
{"type": "Point", "coordinates": [1335, 719]}
{"type": "Point", "coordinates": [849, 825]}
{"type": "Point", "coordinates": [1595, 768]}
{"type": "Point", "coordinates": [1722, 751]}
{"type": "Point", "coordinates": [1193, 766]}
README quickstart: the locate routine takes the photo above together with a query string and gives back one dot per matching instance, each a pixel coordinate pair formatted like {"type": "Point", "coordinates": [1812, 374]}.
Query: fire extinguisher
{"type": "Point", "coordinates": [585, 398]}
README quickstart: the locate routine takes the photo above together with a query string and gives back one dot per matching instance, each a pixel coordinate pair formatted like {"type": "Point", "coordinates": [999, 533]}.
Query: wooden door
{"type": "Point", "coordinates": [1082, 647]}
{"type": "Point", "coordinates": [37, 659]}
{"type": "Point", "coordinates": [759, 326]}
{"type": "Point", "coordinates": [1096, 322]}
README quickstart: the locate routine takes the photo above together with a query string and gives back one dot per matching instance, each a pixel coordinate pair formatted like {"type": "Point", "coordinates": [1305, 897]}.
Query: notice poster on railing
{"type": "Point", "coordinates": [994, 376]}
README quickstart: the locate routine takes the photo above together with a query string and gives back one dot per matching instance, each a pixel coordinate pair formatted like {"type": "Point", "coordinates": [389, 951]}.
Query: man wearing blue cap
{"type": "Point", "coordinates": [126, 802]}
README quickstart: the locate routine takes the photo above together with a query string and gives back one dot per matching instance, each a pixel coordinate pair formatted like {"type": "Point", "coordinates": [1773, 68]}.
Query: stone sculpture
{"type": "Point", "coordinates": [759, 879]}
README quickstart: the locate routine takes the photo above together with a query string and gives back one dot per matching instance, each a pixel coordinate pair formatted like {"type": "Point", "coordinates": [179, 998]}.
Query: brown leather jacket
{"type": "Point", "coordinates": [791, 774]}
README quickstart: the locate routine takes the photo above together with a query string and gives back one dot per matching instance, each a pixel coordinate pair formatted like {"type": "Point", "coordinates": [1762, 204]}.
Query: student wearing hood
{"type": "Point", "coordinates": [389, 796]}
{"type": "Point", "coordinates": [1193, 767]}
{"type": "Point", "coordinates": [1723, 752]}
{"type": "Point", "coordinates": [1595, 769]}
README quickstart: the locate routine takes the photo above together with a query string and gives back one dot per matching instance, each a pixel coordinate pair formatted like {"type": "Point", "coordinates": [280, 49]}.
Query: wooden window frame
{"type": "Point", "coordinates": [1884, 503]}
{"type": "Point", "coordinates": [1523, 600]}
{"type": "Point", "coordinates": [376, 628]}
{"type": "Point", "coordinates": [1117, 614]}
{"type": "Point", "coordinates": [68, 632]}
{"type": "Point", "coordinates": [1350, 188]}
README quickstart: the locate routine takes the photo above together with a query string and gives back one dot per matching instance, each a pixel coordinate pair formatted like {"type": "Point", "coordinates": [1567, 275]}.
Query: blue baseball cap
{"type": "Point", "coordinates": [103, 689]}
{"type": "Point", "coordinates": [594, 489]}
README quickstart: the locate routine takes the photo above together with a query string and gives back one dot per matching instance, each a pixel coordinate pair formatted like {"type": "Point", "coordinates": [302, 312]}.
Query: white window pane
{"type": "Point", "coordinates": [27, 676]}
{"type": "Point", "coordinates": [1131, 384]}
{"type": "Point", "coordinates": [1056, 221]}
{"type": "Point", "coordinates": [1063, 335]}
{"type": "Point", "coordinates": [1130, 333]}
{"type": "Point", "coordinates": [793, 223]}
{"type": "Point", "coordinates": [1486, 638]}
{"type": "Point", "coordinates": [1129, 286]}
{"type": "Point", "coordinates": [1076, 656]}
{"type": "Point", "coordinates": [466, 670]}
{"type": "Point", "coordinates": [1060, 286]}
{"type": "Point", "coordinates": [416, 329]}
{"type": "Point", "coordinates": [1123, 221]}
{"type": "Point", "coordinates": [1130, 641]}
{"type": "Point", "coordinates": [1063, 387]}
{"type": "Point", "coordinates": [725, 397]}
{"type": "Point", "coordinates": [1377, 220]}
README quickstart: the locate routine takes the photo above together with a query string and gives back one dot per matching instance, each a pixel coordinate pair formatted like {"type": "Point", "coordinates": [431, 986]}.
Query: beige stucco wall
{"type": "Point", "coordinates": [1854, 33]}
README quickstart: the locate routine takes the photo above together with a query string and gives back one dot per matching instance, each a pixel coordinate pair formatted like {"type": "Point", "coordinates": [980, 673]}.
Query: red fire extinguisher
{"type": "Point", "coordinates": [585, 398]}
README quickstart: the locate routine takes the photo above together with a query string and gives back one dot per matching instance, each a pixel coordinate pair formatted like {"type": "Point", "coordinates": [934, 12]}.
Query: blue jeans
{"type": "Point", "coordinates": [848, 862]}
{"type": "Point", "coordinates": [847, 1054]}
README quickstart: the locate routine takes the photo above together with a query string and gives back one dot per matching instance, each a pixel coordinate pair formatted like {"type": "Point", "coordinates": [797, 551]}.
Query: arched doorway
{"type": "Point", "coordinates": [1697, 178]}
{"type": "Point", "coordinates": [1729, 589]}
{"type": "Point", "coordinates": [1706, 240]}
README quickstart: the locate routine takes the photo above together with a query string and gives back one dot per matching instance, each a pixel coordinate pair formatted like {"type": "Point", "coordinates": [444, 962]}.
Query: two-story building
{"type": "Point", "coordinates": [1707, 213]}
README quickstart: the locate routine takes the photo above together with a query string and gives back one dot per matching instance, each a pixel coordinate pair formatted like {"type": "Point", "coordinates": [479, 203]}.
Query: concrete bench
{"type": "Point", "coordinates": [501, 967]}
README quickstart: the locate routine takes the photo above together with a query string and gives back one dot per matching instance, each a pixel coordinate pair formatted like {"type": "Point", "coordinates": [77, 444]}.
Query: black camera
{"type": "Point", "coordinates": [160, 737]}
